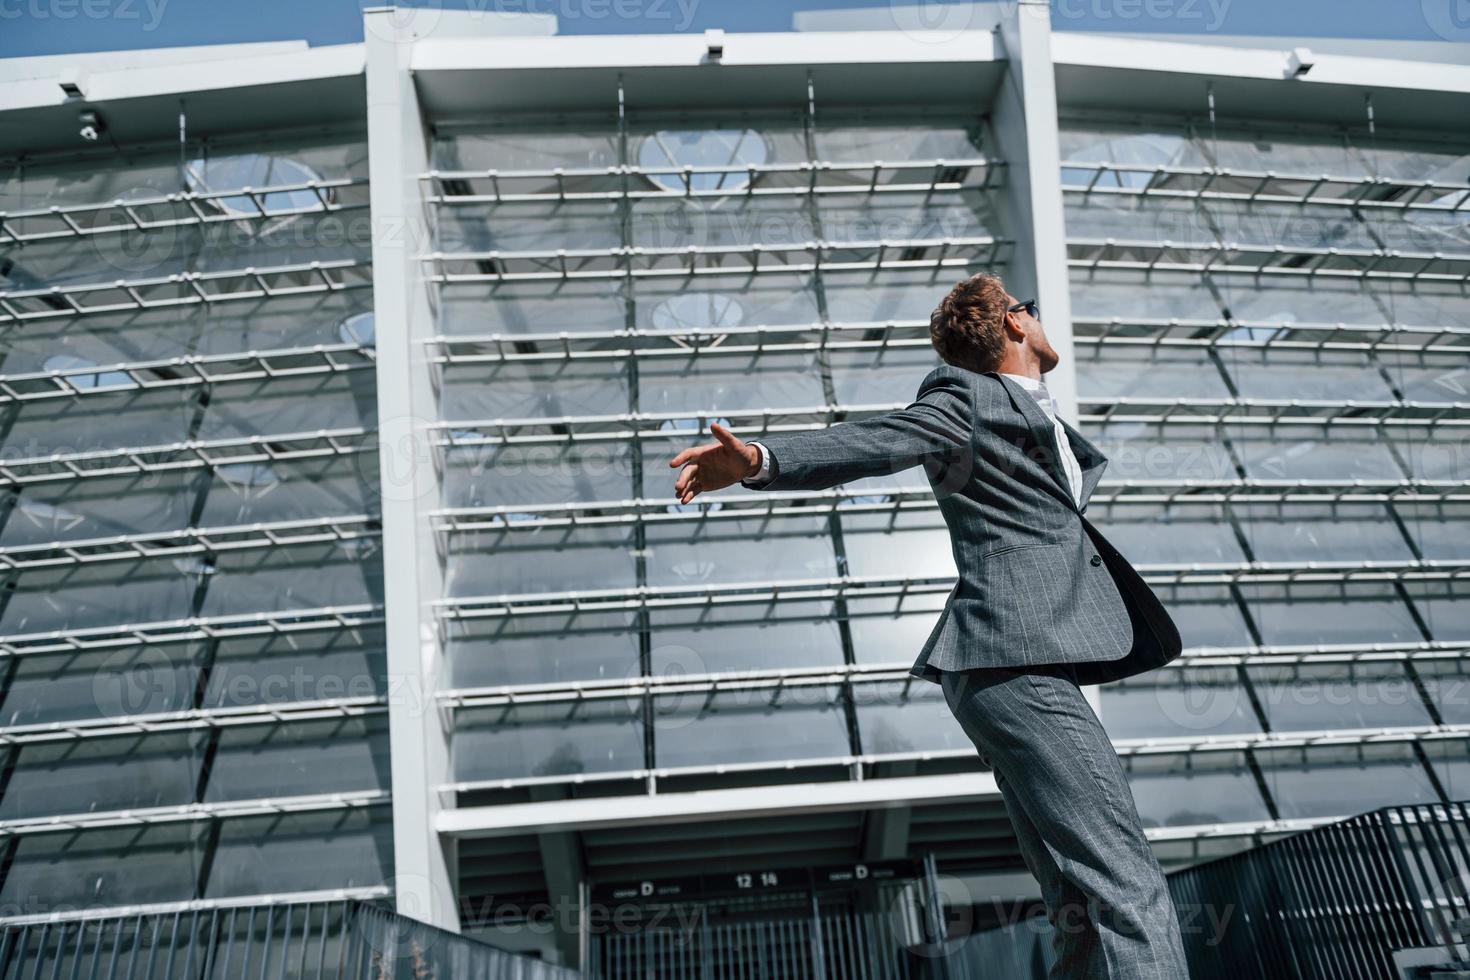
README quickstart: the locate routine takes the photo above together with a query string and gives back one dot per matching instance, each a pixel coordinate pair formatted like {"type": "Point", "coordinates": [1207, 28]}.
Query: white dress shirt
{"type": "Point", "coordinates": [1043, 397]}
{"type": "Point", "coordinates": [764, 473]}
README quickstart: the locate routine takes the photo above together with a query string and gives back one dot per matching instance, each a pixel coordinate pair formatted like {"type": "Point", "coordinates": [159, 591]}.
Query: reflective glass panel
{"type": "Point", "coordinates": [1183, 702]}
{"type": "Point", "coordinates": [754, 725]}
{"type": "Point", "coordinates": [1197, 789]}
{"type": "Point", "coordinates": [908, 716]}
{"type": "Point", "coordinates": [1324, 697]}
{"type": "Point", "coordinates": [1343, 780]}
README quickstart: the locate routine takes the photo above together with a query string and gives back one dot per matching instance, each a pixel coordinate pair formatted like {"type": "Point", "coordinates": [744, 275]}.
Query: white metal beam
{"type": "Point", "coordinates": [723, 804]}
{"type": "Point", "coordinates": [157, 77]}
{"type": "Point", "coordinates": [761, 50]}
{"type": "Point", "coordinates": [1025, 114]}
{"type": "Point", "coordinates": [419, 744]}
{"type": "Point", "coordinates": [1099, 73]}
{"type": "Point", "coordinates": [1144, 55]}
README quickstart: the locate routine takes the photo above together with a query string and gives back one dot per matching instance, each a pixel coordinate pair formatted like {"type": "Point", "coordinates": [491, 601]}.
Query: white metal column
{"type": "Point", "coordinates": [407, 406]}
{"type": "Point", "coordinates": [1025, 118]}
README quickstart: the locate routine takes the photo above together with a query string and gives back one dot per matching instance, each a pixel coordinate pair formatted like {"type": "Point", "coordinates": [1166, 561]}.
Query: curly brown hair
{"type": "Point", "coordinates": [968, 328]}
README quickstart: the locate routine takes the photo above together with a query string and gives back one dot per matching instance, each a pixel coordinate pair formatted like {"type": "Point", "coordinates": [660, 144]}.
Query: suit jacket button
{"type": "Point", "coordinates": [1096, 560]}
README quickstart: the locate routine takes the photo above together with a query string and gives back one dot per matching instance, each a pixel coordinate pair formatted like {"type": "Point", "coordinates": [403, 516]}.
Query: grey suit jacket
{"type": "Point", "coordinates": [1038, 584]}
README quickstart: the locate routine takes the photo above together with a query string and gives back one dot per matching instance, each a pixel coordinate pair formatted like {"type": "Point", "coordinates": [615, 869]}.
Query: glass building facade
{"type": "Point", "coordinates": [193, 702]}
{"type": "Point", "coordinates": [238, 662]}
{"type": "Point", "coordinates": [559, 421]}
{"type": "Point", "coordinates": [1271, 358]}
{"type": "Point", "coordinates": [626, 282]}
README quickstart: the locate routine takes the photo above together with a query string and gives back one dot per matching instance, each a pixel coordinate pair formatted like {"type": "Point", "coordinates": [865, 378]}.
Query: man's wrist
{"type": "Point", "coordinates": [762, 468]}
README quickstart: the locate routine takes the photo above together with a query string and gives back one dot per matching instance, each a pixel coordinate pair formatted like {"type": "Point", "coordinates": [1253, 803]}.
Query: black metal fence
{"type": "Point", "coordinates": [315, 941]}
{"type": "Point", "coordinates": [1381, 896]}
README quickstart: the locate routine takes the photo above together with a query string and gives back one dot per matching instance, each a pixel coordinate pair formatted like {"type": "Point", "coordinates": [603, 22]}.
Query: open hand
{"type": "Point", "coordinates": [714, 465]}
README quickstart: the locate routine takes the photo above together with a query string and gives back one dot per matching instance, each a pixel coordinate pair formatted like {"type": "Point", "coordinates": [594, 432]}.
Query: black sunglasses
{"type": "Point", "coordinates": [1030, 306]}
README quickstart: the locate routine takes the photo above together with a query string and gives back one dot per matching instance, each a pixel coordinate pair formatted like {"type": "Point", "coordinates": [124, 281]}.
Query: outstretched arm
{"type": "Point", "coordinates": [935, 429]}
{"type": "Point", "coordinates": [715, 465]}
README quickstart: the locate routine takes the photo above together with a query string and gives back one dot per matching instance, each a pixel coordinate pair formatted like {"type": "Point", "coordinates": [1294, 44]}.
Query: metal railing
{"type": "Point", "coordinates": [890, 501]}
{"type": "Point", "coordinates": [1248, 186]}
{"type": "Point", "coordinates": [189, 370]}
{"type": "Point", "coordinates": [637, 262]}
{"type": "Point", "coordinates": [191, 628]}
{"type": "Point", "coordinates": [342, 940]}
{"type": "Point", "coordinates": [192, 541]}
{"type": "Point", "coordinates": [1385, 340]}
{"type": "Point", "coordinates": [1384, 894]}
{"type": "Point", "coordinates": [764, 592]}
{"type": "Point", "coordinates": [835, 769]}
{"type": "Point", "coordinates": [681, 343]}
{"type": "Point", "coordinates": [185, 208]}
{"type": "Point", "coordinates": [727, 180]}
{"type": "Point", "coordinates": [1411, 421]}
{"type": "Point", "coordinates": [183, 289]}
{"type": "Point", "coordinates": [1381, 896]}
{"type": "Point", "coordinates": [192, 454]}
{"type": "Point", "coordinates": [1268, 258]}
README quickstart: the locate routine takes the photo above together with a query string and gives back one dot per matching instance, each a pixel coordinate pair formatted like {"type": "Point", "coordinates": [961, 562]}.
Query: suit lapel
{"type": "Point", "coordinates": [1089, 458]}
{"type": "Point", "coordinates": [1041, 430]}
{"type": "Point", "coordinates": [1087, 453]}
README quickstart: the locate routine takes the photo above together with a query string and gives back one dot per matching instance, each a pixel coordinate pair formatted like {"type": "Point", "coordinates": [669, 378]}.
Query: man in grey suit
{"type": "Point", "coordinates": [1043, 605]}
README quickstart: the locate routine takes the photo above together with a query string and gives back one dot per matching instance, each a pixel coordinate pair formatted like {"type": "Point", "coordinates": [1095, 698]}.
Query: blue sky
{"type": "Point", "coordinates": [29, 27]}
